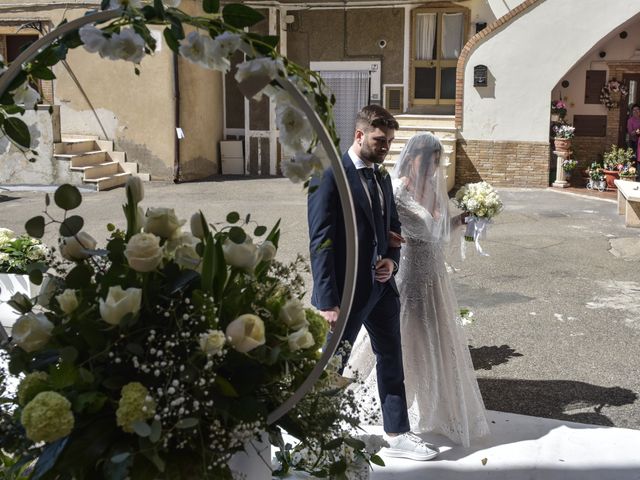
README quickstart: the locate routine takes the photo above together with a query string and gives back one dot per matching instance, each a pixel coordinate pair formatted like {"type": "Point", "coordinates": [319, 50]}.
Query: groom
{"type": "Point", "coordinates": [376, 304]}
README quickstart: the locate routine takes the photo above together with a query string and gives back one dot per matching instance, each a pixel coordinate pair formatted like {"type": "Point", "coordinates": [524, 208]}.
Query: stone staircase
{"type": "Point", "coordinates": [93, 163]}
{"type": "Point", "coordinates": [442, 126]}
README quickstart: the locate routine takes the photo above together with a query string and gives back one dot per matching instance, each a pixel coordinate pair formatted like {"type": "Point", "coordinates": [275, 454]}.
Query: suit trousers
{"type": "Point", "coordinates": [381, 318]}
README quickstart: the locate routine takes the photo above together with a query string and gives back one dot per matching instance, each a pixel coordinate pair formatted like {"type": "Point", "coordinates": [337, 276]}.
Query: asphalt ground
{"type": "Point", "coordinates": [556, 305]}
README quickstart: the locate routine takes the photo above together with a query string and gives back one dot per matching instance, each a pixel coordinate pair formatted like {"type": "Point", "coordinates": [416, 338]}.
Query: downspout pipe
{"type": "Point", "coordinates": [176, 119]}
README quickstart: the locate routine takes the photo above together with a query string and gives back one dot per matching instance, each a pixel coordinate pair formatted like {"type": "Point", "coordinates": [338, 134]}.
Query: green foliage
{"type": "Point", "coordinates": [19, 253]}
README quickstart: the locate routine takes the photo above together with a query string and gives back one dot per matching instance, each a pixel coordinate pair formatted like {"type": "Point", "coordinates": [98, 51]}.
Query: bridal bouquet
{"type": "Point", "coordinates": [161, 355]}
{"type": "Point", "coordinates": [482, 203]}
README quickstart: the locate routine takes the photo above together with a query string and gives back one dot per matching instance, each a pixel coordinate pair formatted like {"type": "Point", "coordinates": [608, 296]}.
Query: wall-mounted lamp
{"type": "Point", "coordinates": [565, 83]}
{"type": "Point", "coordinates": [480, 73]}
{"type": "Point", "coordinates": [623, 34]}
{"type": "Point", "coordinates": [602, 54]}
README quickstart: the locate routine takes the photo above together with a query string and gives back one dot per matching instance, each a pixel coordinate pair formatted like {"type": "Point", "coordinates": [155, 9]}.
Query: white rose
{"type": "Point", "coordinates": [6, 235]}
{"type": "Point", "coordinates": [197, 229]}
{"type": "Point", "coordinates": [92, 38]}
{"type": "Point", "coordinates": [113, 4]}
{"type": "Point", "coordinates": [295, 130]}
{"type": "Point", "coordinates": [246, 332]}
{"type": "Point", "coordinates": [119, 303]}
{"type": "Point", "coordinates": [267, 251]}
{"type": "Point", "coordinates": [259, 67]}
{"type": "Point", "coordinates": [162, 222]}
{"type": "Point", "coordinates": [292, 314]}
{"type": "Point", "coordinates": [300, 340]}
{"type": "Point", "coordinates": [136, 188]}
{"type": "Point", "coordinates": [241, 255]}
{"type": "Point", "coordinates": [32, 331]}
{"type": "Point", "coordinates": [179, 239]}
{"type": "Point", "coordinates": [187, 257]}
{"type": "Point", "coordinates": [126, 45]}
{"type": "Point", "coordinates": [26, 96]}
{"type": "Point", "coordinates": [143, 252]}
{"type": "Point", "coordinates": [228, 42]}
{"type": "Point", "coordinates": [204, 51]}
{"type": "Point", "coordinates": [212, 342]}
{"type": "Point", "coordinates": [75, 248]}
{"type": "Point", "coordinates": [68, 301]}
{"type": "Point", "coordinates": [300, 167]}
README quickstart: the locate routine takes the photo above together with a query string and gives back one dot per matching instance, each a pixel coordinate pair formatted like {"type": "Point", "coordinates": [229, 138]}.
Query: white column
{"type": "Point", "coordinates": [273, 137]}
{"type": "Point", "coordinates": [560, 176]}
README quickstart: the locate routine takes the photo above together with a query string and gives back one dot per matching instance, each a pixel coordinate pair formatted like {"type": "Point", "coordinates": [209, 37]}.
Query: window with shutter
{"type": "Point", "coordinates": [393, 99]}
{"type": "Point", "coordinates": [595, 81]}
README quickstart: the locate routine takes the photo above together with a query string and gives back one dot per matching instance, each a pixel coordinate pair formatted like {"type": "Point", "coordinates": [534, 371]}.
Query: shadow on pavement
{"type": "Point", "coordinates": [485, 358]}
{"type": "Point", "coordinates": [560, 399]}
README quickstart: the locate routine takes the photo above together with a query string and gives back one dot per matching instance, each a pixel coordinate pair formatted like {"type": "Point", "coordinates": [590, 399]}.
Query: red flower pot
{"type": "Point", "coordinates": [610, 176]}
{"type": "Point", "coordinates": [562, 144]}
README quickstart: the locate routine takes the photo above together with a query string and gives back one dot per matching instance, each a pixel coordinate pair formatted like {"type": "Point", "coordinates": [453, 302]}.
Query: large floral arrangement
{"type": "Point", "coordinates": [618, 158]}
{"type": "Point", "coordinates": [17, 252]}
{"type": "Point", "coordinates": [216, 35]}
{"type": "Point", "coordinates": [558, 107]}
{"type": "Point", "coordinates": [564, 131]}
{"type": "Point", "coordinates": [479, 199]}
{"type": "Point", "coordinates": [612, 92]}
{"type": "Point", "coordinates": [595, 172]}
{"type": "Point", "coordinates": [161, 355]}
{"type": "Point", "coordinates": [482, 203]}
{"type": "Point", "coordinates": [569, 164]}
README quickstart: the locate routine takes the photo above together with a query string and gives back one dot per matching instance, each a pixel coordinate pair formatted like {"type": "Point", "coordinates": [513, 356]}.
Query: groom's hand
{"type": "Point", "coordinates": [331, 316]}
{"type": "Point", "coordinates": [384, 270]}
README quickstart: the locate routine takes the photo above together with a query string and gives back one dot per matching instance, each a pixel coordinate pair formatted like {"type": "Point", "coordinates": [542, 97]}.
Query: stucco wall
{"type": "Point", "coordinates": [342, 35]}
{"type": "Point", "coordinates": [527, 59]}
{"type": "Point", "coordinates": [616, 49]}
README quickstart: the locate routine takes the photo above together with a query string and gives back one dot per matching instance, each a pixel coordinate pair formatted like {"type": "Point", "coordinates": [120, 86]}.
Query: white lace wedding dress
{"type": "Point", "coordinates": [442, 391]}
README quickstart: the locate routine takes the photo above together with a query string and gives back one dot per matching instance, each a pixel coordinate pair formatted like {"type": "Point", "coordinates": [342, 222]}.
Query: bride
{"type": "Point", "coordinates": [442, 391]}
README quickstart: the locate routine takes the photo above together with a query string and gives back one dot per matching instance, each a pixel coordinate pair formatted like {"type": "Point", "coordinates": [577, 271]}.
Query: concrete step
{"type": "Point", "coordinates": [100, 170]}
{"type": "Point", "coordinates": [84, 159]}
{"type": "Point", "coordinates": [426, 120]}
{"type": "Point", "coordinates": [107, 183]}
{"type": "Point", "coordinates": [72, 137]}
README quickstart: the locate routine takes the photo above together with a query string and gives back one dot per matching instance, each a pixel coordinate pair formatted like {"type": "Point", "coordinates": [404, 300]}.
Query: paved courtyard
{"type": "Point", "coordinates": [557, 303]}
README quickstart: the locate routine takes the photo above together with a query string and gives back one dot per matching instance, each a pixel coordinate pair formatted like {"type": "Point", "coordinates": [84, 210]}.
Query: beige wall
{"type": "Point", "coordinates": [138, 112]}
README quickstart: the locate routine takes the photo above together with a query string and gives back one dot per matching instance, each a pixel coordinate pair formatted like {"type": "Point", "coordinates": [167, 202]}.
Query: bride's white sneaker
{"type": "Point", "coordinates": [409, 445]}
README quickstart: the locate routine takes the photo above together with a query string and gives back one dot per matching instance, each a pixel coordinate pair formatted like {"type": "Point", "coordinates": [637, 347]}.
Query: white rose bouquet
{"type": "Point", "coordinates": [148, 362]}
{"type": "Point", "coordinates": [482, 203]}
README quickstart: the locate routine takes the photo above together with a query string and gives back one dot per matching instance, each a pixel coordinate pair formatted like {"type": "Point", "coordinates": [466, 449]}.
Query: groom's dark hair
{"type": "Point", "coordinates": [374, 116]}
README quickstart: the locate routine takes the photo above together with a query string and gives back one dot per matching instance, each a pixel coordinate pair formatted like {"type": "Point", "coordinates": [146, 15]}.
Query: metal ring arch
{"type": "Point", "coordinates": [333, 161]}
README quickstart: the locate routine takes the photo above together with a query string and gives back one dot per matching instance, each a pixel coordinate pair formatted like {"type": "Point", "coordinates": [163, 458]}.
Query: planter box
{"type": "Point", "coordinates": [11, 283]}
{"type": "Point", "coordinates": [610, 176]}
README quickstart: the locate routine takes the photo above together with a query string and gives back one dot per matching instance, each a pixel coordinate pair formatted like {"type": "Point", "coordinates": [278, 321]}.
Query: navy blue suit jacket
{"type": "Point", "coordinates": [328, 237]}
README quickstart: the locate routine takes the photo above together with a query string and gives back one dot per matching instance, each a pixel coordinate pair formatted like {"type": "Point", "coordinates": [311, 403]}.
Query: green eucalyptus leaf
{"type": "Point", "coordinates": [189, 422]}
{"type": "Point", "coordinates": [120, 457]}
{"type": "Point", "coordinates": [63, 375]}
{"type": "Point", "coordinates": [259, 231]}
{"type": "Point", "coordinates": [225, 387]}
{"type": "Point", "coordinates": [35, 277]}
{"type": "Point", "coordinates": [237, 235]}
{"type": "Point", "coordinates": [211, 6]}
{"type": "Point", "coordinates": [35, 226]}
{"type": "Point", "coordinates": [376, 460]}
{"type": "Point", "coordinates": [69, 354]}
{"type": "Point", "coordinates": [333, 444]}
{"type": "Point", "coordinates": [43, 73]}
{"type": "Point", "coordinates": [12, 110]}
{"type": "Point", "coordinates": [156, 431]}
{"type": "Point", "coordinates": [18, 131]}
{"type": "Point", "coordinates": [240, 16]}
{"type": "Point", "coordinates": [172, 41]}
{"type": "Point", "coordinates": [233, 217]}
{"type": "Point", "coordinates": [355, 443]}
{"type": "Point", "coordinates": [67, 197]}
{"type": "Point", "coordinates": [71, 226]}
{"type": "Point", "coordinates": [141, 428]}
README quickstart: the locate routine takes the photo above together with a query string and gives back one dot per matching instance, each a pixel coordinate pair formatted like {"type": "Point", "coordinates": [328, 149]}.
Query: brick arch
{"type": "Point", "coordinates": [475, 40]}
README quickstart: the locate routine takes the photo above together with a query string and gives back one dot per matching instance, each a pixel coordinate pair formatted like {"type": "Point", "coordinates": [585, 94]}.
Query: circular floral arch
{"type": "Point", "coordinates": [296, 117]}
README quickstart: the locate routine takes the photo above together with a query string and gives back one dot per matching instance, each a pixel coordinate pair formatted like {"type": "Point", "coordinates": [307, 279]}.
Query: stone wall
{"type": "Point", "coordinates": [503, 163]}
{"type": "Point", "coordinates": [587, 150]}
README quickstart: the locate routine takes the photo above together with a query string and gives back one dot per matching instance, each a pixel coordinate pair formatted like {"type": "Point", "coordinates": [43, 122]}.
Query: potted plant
{"type": "Point", "coordinates": [563, 135]}
{"type": "Point", "coordinates": [17, 253]}
{"type": "Point", "coordinates": [616, 160]}
{"type": "Point", "coordinates": [596, 178]}
{"type": "Point", "coordinates": [558, 110]}
{"type": "Point", "coordinates": [569, 165]}
{"type": "Point", "coordinates": [628, 173]}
